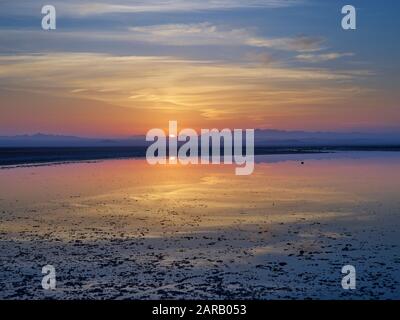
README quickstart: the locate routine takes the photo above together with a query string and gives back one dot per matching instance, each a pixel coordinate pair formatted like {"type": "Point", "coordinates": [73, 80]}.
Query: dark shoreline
{"type": "Point", "coordinates": [37, 155]}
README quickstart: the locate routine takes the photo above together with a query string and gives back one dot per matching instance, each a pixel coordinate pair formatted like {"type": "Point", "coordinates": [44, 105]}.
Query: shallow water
{"type": "Point", "coordinates": [125, 229]}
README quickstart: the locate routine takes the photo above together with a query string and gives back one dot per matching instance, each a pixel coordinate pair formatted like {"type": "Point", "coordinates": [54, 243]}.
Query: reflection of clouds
{"type": "Point", "coordinates": [282, 232]}
{"type": "Point", "coordinates": [211, 180]}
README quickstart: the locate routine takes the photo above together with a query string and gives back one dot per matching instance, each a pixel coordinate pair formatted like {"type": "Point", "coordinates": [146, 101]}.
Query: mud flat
{"type": "Point", "coordinates": [120, 229]}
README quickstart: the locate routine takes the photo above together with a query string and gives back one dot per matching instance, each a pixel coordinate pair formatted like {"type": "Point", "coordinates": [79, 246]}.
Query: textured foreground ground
{"type": "Point", "coordinates": [122, 230]}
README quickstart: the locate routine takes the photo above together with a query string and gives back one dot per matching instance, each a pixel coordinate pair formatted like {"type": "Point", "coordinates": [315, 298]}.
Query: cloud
{"type": "Point", "coordinates": [264, 58]}
{"type": "Point", "coordinates": [168, 83]}
{"type": "Point", "coordinates": [167, 35]}
{"type": "Point", "coordinates": [189, 34]}
{"type": "Point", "coordinates": [209, 34]}
{"type": "Point", "coordinates": [196, 34]}
{"type": "Point", "coordinates": [177, 5]}
{"type": "Point", "coordinates": [315, 58]}
{"type": "Point", "coordinates": [85, 8]}
{"type": "Point", "coordinates": [298, 43]}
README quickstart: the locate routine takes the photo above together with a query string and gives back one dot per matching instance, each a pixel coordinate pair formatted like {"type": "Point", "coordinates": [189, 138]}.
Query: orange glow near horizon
{"type": "Point", "coordinates": [197, 95]}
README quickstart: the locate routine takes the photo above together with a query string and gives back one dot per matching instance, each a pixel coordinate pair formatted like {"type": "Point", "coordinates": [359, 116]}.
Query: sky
{"type": "Point", "coordinates": [119, 68]}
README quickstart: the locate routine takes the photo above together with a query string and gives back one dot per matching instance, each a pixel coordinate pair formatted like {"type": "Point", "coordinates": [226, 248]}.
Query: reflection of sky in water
{"type": "Point", "coordinates": [278, 228]}
{"type": "Point", "coordinates": [355, 173]}
{"type": "Point", "coordinates": [354, 155]}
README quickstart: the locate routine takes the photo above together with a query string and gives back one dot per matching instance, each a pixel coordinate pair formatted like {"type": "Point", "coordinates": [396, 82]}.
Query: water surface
{"type": "Point", "coordinates": [125, 229]}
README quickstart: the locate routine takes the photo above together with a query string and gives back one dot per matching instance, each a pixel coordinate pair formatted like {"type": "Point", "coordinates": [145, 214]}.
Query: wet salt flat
{"type": "Point", "coordinates": [122, 229]}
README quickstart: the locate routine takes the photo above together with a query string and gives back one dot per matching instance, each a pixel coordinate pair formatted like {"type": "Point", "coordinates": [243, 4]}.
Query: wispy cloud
{"type": "Point", "coordinates": [298, 43]}
{"type": "Point", "coordinates": [109, 93]}
{"type": "Point", "coordinates": [198, 34]}
{"type": "Point", "coordinates": [209, 34]}
{"type": "Point", "coordinates": [176, 84]}
{"type": "Point", "coordinates": [177, 5]}
{"type": "Point", "coordinates": [314, 58]}
{"type": "Point", "coordinates": [85, 8]}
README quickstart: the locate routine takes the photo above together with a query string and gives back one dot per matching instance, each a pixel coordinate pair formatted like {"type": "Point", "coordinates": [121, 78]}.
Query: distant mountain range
{"type": "Point", "coordinates": [304, 138]}
{"type": "Point", "coordinates": [47, 140]}
{"type": "Point", "coordinates": [263, 138]}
